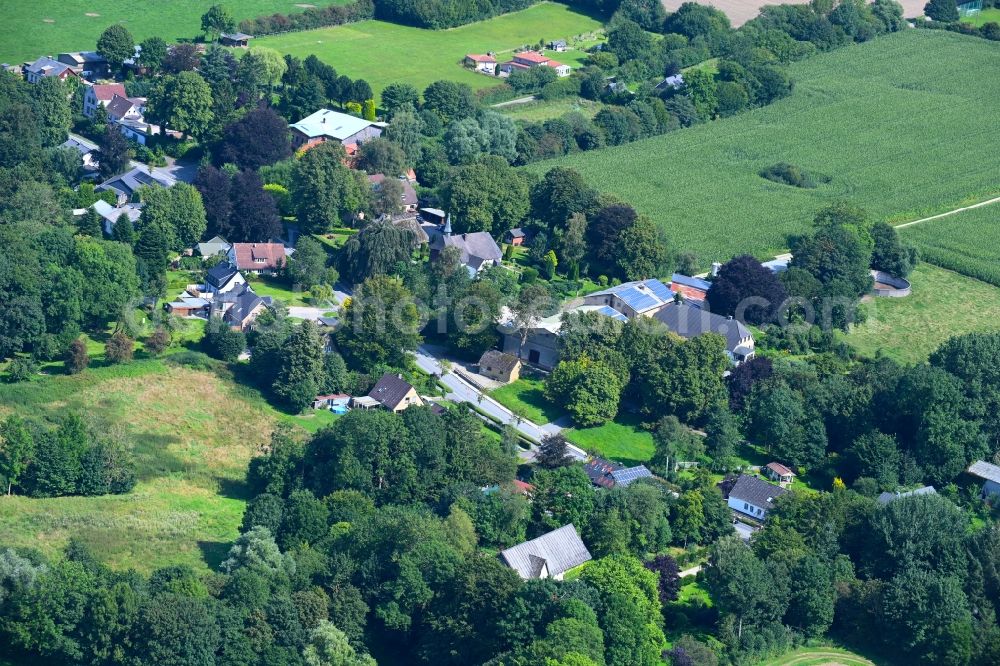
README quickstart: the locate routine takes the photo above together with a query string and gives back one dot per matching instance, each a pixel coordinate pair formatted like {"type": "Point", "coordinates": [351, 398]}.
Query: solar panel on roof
{"type": "Point", "coordinates": [637, 300]}
{"type": "Point", "coordinates": [609, 311]}
{"type": "Point", "coordinates": [659, 289]}
{"type": "Point", "coordinates": [625, 477]}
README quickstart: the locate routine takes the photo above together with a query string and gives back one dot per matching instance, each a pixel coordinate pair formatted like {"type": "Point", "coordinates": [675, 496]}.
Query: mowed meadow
{"type": "Point", "coordinates": [194, 432]}
{"type": "Point", "coordinates": [384, 53]}
{"type": "Point", "coordinates": [47, 27]}
{"type": "Point", "coordinates": [905, 126]}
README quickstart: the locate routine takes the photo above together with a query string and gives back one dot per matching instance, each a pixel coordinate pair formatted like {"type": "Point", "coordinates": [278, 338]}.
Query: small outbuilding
{"type": "Point", "coordinates": [501, 367]}
{"type": "Point", "coordinates": [779, 474]}
{"type": "Point", "coordinates": [235, 39]}
{"type": "Point", "coordinates": [990, 474]}
{"type": "Point", "coordinates": [515, 237]}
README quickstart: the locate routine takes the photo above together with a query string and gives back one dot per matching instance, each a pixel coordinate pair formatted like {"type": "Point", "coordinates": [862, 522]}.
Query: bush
{"type": "Point", "coordinates": [119, 349]}
{"type": "Point", "coordinates": [194, 360]}
{"type": "Point", "coordinates": [21, 369]}
{"type": "Point", "coordinates": [222, 342]}
{"type": "Point", "coordinates": [789, 174]}
{"type": "Point", "coordinates": [77, 358]}
{"type": "Point", "coordinates": [157, 343]}
{"type": "Point", "coordinates": [529, 275]}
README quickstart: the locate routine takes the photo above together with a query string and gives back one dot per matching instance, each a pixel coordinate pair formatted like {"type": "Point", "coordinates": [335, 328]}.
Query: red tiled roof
{"type": "Point", "coordinates": [106, 91]}
{"type": "Point", "coordinates": [523, 486]}
{"type": "Point", "coordinates": [689, 293]}
{"type": "Point", "coordinates": [779, 469]}
{"type": "Point", "coordinates": [248, 254]}
{"type": "Point", "coordinates": [531, 56]}
{"type": "Point", "coordinates": [553, 63]}
{"type": "Point", "coordinates": [475, 57]}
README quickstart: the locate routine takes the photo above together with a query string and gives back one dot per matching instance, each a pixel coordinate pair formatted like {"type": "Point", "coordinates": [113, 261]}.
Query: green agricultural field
{"type": "Point", "coordinates": [621, 440]}
{"type": "Point", "coordinates": [943, 304]}
{"type": "Point", "coordinates": [966, 242]}
{"type": "Point", "coordinates": [33, 29]}
{"type": "Point", "coordinates": [902, 124]}
{"type": "Point", "coordinates": [192, 445]}
{"type": "Point", "coordinates": [383, 53]}
{"type": "Point", "coordinates": [985, 16]}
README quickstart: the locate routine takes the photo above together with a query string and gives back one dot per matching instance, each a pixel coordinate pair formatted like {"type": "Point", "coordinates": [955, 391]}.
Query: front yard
{"type": "Point", "coordinates": [621, 440]}
{"type": "Point", "coordinates": [526, 398]}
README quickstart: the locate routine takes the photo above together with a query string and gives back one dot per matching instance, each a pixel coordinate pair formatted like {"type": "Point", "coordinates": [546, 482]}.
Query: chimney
{"type": "Point", "coordinates": [715, 268]}
{"type": "Point", "coordinates": [729, 318]}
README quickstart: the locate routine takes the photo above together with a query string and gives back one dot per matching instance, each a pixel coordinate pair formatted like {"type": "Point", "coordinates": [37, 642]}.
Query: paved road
{"type": "Point", "coordinates": [693, 571]}
{"type": "Point", "coordinates": [460, 390]}
{"type": "Point", "coordinates": [303, 312]}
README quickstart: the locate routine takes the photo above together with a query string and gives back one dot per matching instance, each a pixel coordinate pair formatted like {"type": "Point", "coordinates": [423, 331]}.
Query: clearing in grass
{"type": "Point", "coordinates": [943, 304]}
{"type": "Point", "coordinates": [543, 110]}
{"type": "Point", "coordinates": [966, 242]}
{"type": "Point", "coordinates": [384, 53]}
{"type": "Point", "coordinates": [48, 27]}
{"type": "Point", "coordinates": [194, 432]}
{"type": "Point", "coordinates": [852, 116]}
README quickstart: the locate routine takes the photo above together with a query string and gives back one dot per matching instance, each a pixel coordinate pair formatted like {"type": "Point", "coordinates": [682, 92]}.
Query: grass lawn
{"type": "Point", "coordinates": [383, 53]}
{"type": "Point", "coordinates": [851, 117]}
{"type": "Point", "coordinates": [621, 440]}
{"type": "Point", "coordinates": [265, 286]}
{"type": "Point", "coordinates": [194, 433]}
{"type": "Point", "coordinates": [542, 110]}
{"type": "Point", "coordinates": [984, 16]}
{"type": "Point", "coordinates": [966, 242]}
{"type": "Point", "coordinates": [48, 27]}
{"type": "Point", "coordinates": [909, 329]}
{"type": "Point", "coordinates": [526, 397]}
{"type": "Point", "coordinates": [692, 590]}
{"type": "Point", "coordinates": [819, 656]}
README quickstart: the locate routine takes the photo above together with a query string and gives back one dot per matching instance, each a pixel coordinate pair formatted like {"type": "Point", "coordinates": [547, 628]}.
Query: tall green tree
{"type": "Point", "coordinates": [51, 103]}
{"type": "Point", "coordinates": [217, 20]}
{"type": "Point", "coordinates": [297, 381]}
{"type": "Point", "coordinates": [324, 191]}
{"type": "Point", "coordinates": [16, 448]}
{"type": "Point", "coordinates": [116, 45]}
{"type": "Point", "coordinates": [381, 324]}
{"type": "Point", "coordinates": [182, 102]}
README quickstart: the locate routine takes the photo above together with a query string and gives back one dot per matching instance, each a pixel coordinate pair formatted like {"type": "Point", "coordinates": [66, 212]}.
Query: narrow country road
{"type": "Point", "coordinates": [461, 390]}
{"type": "Point", "coordinates": [950, 212]}
{"type": "Point", "coordinates": [693, 571]}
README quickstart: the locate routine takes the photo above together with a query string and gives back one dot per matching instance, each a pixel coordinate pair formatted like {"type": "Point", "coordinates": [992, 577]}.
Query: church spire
{"type": "Point", "coordinates": [447, 225]}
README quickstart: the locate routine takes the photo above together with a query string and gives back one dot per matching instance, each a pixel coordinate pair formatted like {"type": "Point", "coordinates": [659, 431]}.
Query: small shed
{"type": "Point", "coordinates": [514, 237]}
{"type": "Point", "coordinates": [499, 366]}
{"type": "Point", "coordinates": [557, 45]}
{"type": "Point", "coordinates": [236, 39]}
{"type": "Point", "coordinates": [990, 474]}
{"type": "Point", "coordinates": [779, 474]}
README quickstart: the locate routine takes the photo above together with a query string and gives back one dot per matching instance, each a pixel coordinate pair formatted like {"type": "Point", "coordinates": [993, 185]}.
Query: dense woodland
{"type": "Point", "coordinates": [374, 537]}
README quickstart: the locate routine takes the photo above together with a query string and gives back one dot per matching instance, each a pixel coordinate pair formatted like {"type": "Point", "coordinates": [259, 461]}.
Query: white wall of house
{"type": "Point", "coordinates": [745, 507]}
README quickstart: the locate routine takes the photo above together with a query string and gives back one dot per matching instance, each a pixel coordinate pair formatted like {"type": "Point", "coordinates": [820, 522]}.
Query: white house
{"type": "Point", "coordinates": [753, 496]}
{"type": "Point", "coordinates": [223, 278]}
{"type": "Point", "coordinates": [101, 94]}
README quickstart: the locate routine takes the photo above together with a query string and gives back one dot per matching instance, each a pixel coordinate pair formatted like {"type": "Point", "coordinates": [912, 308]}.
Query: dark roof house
{"type": "Point", "coordinates": [753, 495]}
{"type": "Point", "coordinates": [549, 556]}
{"type": "Point", "coordinates": [599, 470]}
{"type": "Point", "coordinates": [394, 393]}
{"type": "Point", "coordinates": [478, 249]}
{"type": "Point", "coordinates": [688, 322]}
{"type": "Point", "coordinates": [127, 184]}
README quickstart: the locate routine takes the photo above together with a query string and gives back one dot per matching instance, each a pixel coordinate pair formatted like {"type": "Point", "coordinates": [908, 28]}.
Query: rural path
{"type": "Point", "coordinates": [693, 571]}
{"type": "Point", "coordinates": [461, 390]}
{"type": "Point", "coordinates": [512, 102]}
{"type": "Point", "coordinates": [814, 657]}
{"type": "Point", "coordinates": [950, 212]}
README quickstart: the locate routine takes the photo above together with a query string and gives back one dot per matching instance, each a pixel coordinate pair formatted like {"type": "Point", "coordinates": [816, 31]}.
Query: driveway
{"type": "Point", "coordinates": [302, 312]}
{"type": "Point", "coordinates": [459, 390]}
